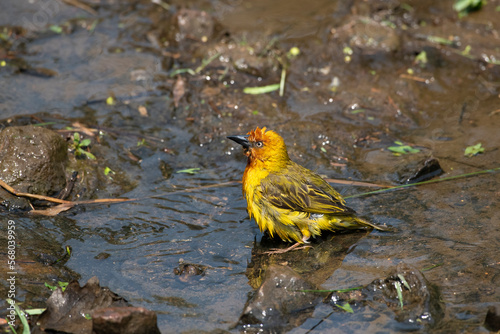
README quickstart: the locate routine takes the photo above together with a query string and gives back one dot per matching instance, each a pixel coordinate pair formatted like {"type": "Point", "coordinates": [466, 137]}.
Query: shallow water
{"type": "Point", "coordinates": [134, 247]}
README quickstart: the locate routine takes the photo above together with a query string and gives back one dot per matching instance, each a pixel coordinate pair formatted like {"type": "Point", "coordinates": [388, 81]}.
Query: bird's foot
{"type": "Point", "coordinates": [288, 249]}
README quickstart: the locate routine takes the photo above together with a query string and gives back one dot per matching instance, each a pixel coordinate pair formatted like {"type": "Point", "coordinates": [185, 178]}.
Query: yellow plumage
{"type": "Point", "coordinates": [287, 199]}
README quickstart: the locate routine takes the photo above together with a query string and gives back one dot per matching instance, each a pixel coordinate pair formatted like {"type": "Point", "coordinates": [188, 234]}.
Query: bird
{"type": "Point", "coordinates": [287, 199]}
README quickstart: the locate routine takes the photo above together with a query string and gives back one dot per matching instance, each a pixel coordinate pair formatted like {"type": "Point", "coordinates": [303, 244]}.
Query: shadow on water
{"type": "Point", "coordinates": [370, 75]}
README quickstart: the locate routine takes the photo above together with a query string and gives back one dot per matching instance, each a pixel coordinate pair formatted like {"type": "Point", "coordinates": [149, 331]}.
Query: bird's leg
{"type": "Point", "coordinates": [295, 246]}
{"type": "Point", "coordinates": [285, 250]}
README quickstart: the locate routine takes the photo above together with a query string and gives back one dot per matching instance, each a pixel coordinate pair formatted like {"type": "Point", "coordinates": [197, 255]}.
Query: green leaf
{"type": "Point", "coordinates": [399, 290]}
{"type": "Point", "coordinates": [35, 311]}
{"type": "Point", "coordinates": [87, 154]}
{"type": "Point", "coordinates": [432, 267]}
{"type": "Point", "coordinates": [346, 307]}
{"type": "Point", "coordinates": [86, 142]}
{"type": "Point", "coordinates": [181, 71]}
{"type": "Point", "coordinates": [108, 170]}
{"type": "Point", "coordinates": [357, 111]}
{"type": "Point", "coordinates": [466, 51]}
{"type": "Point", "coordinates": [347, 51]}
{"type": "Point", "coordinates": [44, 124]}
{"type": "Point", "coordinates": [404, 281]}
{"type": "Point", "coordinates": [389, 24]}
{"type": "Point", "coordinates": [261, 90]}
{"type": "Point", "coordinates": [439, 40]}
{"type": "Point", "coordinates": [76, 137]}
{"type": "Point", "coordinates": [402, 149]}
{"type": "Point", "coordinates": [21, 316]}
{"type": "Point", "coordinates": [61, 285]}
{"type": "Point", "coordinates": [474, 150]}
{"type": "Point", "coordinates": [421, 58]}
{"type": "Point", "coordinates": [465, 6]}
{"type": "Point", "coordinates": [51, 287]}
{"type": "Point", "coordinates": [56, 29]}
{"type": "Point", "coordinates": [205, 62]}
{"type": "Point", "coordinates": [189, 171]}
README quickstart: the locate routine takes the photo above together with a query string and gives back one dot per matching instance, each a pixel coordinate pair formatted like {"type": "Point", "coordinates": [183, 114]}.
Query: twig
{"type": "Point", "coordinates": [412, 77]}
{"type": "Point", "coordinates": [61, 201]}
{"type": "Point", "coordinates": [81, 5]}
{"type": "Point", "coordinates": [21, 194]}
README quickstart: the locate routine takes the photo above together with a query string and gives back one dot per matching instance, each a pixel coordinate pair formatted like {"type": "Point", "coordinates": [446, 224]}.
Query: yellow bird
{"type": "Point", "coordinates": [287, 199]}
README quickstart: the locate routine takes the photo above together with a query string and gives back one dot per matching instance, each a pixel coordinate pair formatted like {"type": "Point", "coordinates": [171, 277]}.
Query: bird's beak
{"type": "Point", "coordinates": [242, 140]}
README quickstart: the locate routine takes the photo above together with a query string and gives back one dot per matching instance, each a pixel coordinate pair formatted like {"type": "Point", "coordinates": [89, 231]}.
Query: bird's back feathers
{"type": "Point", "coordinates": [287, 199]}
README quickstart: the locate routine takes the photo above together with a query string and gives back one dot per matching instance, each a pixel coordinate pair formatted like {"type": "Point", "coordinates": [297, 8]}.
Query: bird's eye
{"type": "Point", "coordinates": [259, 144]}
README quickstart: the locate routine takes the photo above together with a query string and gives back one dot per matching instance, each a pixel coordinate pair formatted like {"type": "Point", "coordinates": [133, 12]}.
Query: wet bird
{"type": "Point", "coordinates": [287, 199]}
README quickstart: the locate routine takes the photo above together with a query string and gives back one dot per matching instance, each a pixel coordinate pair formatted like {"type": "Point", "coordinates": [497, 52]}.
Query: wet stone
{"type": "Point", "coordinates": [250, 61]}
{"type": "Point", "coordinates": [369, 36]}
{"type": "Point", "coordinates": [65, 310]}
{"type": "Point", "coordinates": [33, 159]}
{"type": "Point", "coordinates": [492, 320]}
{"type": "Point", "coordinates": [194, 25]}
{"type": "Point", "coordinates": [416, 306]}
{"type": "Point", "coordinates": [124, 320]}
{"type": "Point", "coordinates": [279, 303]}
{"type": "Point", "coordinates": [422, 170]}
{"type": "Point", "coordinates": [187, 271]}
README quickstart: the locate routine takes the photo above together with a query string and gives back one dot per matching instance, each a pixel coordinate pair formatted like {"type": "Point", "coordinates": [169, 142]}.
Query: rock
{"type": "Point", "coordinates": [66, 310]}
{"type": "Point", "coordinates": [421, 307]}
{"type": "Point", "coordinates": [124, 320]}
{"type": "Point", "coordinates": [186, 271]}
{"type": "Point", "coordinates": [422, 170]}
{"type": "Point", "coordinates": [369, 36]}
{"type": "Point", "coordinates": [276, 304]}
{"type": "Point", "coordinates": [194, 25]}
{"type": "Point", "coordinates": [492, 320]}
{"type": "Point", "coordinates": [33, 159]}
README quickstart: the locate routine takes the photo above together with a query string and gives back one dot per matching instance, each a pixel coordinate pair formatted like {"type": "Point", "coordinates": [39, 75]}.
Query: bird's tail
{"type": "Point", "coordinates": [351, 222]}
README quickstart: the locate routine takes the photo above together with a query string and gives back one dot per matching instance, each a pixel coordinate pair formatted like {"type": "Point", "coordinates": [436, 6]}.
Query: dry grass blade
{"type": "Point", "coordinates": [357, 183]}
{"type": "Point", "coordinates": [79, 127]}
{"type": "Point", "coordinates": [80, 5]}
{"type": "Point", "coordinates": [179, 90]}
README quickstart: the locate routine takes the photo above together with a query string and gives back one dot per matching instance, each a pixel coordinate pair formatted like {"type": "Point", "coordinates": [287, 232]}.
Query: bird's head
{"type": "Point", "coordinates": [264, 146]}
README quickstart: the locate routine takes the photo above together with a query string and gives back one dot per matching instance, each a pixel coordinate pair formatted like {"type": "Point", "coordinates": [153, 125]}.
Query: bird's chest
{"type": "Point", "coordinates": [252, 180]}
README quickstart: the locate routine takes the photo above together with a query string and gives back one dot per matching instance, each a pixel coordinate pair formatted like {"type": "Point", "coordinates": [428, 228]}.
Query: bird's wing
{"type": "Point", "coordinates": [306, 193]}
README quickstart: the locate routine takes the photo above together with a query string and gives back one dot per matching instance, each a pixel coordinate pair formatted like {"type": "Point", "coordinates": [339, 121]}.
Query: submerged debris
{"type": "Point", "coordinates": [405, 293]}
{"type": "Point", "coordinates": [280, 303]}
{"type": "Point", "coordinates": [92, 308]}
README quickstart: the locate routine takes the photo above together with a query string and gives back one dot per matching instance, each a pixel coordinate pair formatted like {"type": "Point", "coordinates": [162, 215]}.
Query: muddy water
{"type": "Point", "coordinates": [337, 118]}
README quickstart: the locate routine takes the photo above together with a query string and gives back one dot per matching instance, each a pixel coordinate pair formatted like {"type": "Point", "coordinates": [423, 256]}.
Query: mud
{"type": "Point", "coordinates": [360, 85]}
